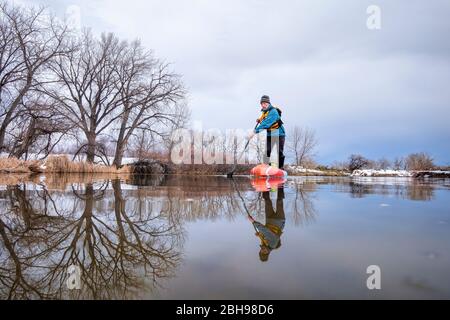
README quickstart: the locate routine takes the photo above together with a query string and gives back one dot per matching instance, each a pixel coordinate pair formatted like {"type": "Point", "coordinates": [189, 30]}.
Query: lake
{"type": "Point", "coordinates": [182, 237]}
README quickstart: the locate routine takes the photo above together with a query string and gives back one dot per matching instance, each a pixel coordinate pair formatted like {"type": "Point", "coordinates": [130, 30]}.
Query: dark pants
{"type": "Point", "coordinates": [275, 217]}
{"type": "Point", "coordinates": [271, 143]}
{"type": "Point", "coordinates": [270, 212]}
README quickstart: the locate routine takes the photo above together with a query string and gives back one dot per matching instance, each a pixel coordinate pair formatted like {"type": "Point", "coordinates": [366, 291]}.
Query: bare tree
{"type": "Point", "coordinates": [419, 161]}
{"type": "Point", "coordinates": [399, 164]}
{"type": "Point", "coordinates": [357, 162]}
{"type": "Point", "coordinates": [149, 92]}
{"type": "Point", "coordinates": [37, 128]}
{"type": "Point", "coordinates": [383, 164]}
{"type": "Point", "coordinates": [103, 88]}
{"type": "Point", "coordinates": [302, 143]}
{"type": "Point", "coordinates": [29, 40]}
{"type": "Point", "coordinates": [146, 145]}
{"type": "Point", "coordinates": [180, 121]}
{"type": "Point", "coordinates": [87, 87]}
{"type": "Point", "coordinates": [340, 165]}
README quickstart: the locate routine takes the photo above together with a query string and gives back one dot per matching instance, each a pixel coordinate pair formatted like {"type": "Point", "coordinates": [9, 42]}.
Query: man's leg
{"type": "Point", "coordinates": [281, 152]}
{"type": "Point", "coordinates": [268, 206]}
{"type": "Point", "coordinates": [268, 150]}
{"type": "Point", "coordinates": [280, 207]}
{"type": "Point", "coordinates": [272, 145]}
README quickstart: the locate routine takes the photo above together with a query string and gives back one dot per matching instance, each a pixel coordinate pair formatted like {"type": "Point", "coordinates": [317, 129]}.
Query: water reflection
{"type": "Point", "coordinates": [118, 247]}
{"type": "Point", "coordinates": [406, 188]}
{"type": "Point", "coordinates": [302, 207]}
{"type": "Point", "coordinates": [270, 232]}
{"type": "Point", "coordinates": [128, 237]}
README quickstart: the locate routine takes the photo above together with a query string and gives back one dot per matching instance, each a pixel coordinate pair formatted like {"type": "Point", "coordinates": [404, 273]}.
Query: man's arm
{"type": "Point", "coordinates": [272, 117]}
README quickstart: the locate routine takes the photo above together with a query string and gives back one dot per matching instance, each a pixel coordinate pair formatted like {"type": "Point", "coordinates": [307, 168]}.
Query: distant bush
{"type": "Point", "coordinates": [339, 165]}
{"type": "Point", "coordinates": [357, 162]}
{"type": "Point", "coordinates": [383, 164]}
{"type": "Point", "coordinates": [399, 164]}
{"type": "Point", "coordinates": [419, 161]}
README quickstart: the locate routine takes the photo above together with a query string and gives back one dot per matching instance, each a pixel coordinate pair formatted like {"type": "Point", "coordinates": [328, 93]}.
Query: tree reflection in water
{"type": "Point", "coordinates": [303, 206]}
{"type": "Point", "coordinates": [407, 189]}
{"type": "Point", "coordinates": [119, 251]}
{"type": "Point", "coordinates": [128, 236]}
{"type": "Point", "coordinates": [124, 241]}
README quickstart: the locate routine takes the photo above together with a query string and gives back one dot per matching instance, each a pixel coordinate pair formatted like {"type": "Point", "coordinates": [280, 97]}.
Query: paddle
{"type": "Point", "coordinates": [230, 174]}
{"type": "Point", "coordinates": [243, 203]}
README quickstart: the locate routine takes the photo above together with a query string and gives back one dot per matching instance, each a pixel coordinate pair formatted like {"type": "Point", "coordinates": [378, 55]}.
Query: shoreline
{"type": "Point", "coordinates": [62, 165]}
{"type": "Point", "coordinates": [60, 181]}
{"type": "Point", "coordinates": [417, 175]}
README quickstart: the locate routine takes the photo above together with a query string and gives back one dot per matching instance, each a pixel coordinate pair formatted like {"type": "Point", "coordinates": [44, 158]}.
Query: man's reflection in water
{"type": "Point", "coordinates": [270, 233]}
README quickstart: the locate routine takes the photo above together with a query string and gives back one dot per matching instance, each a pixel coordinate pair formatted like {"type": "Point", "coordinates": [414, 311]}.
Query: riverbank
{"type": "Point", "coordinates": [300, 171]}
{"type": "Point", "coordinates": [55, 164]}
{"type": "Point", "coordinates": [62, 164]}
{"type": "Point", "coordinates": [401, 173]}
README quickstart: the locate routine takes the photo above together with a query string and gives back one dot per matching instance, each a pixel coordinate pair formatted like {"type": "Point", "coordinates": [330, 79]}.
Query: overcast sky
{"type": "Point", "coordinates": [376, 92]}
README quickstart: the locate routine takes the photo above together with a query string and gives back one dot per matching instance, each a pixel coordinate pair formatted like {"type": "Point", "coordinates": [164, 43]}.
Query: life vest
{"type": "Point", "coordinates": [275, 229]}
{"type": "Point", "coordinates": [277, 123]}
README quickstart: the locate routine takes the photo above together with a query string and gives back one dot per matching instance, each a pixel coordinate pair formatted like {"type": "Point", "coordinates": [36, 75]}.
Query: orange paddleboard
{"type": "Point", "coordinates": [264, 170]}
{"type": "Point", "coordinates": [261, 184]}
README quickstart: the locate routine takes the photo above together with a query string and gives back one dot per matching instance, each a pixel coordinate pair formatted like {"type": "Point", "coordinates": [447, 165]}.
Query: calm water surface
{"type": "Point", "coordinates": [175, 237]}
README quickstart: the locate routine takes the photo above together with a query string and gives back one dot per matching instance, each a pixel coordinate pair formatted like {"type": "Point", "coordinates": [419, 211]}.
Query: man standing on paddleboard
{"type": "Point", "coordinates": [270, 120]}
{"type": "Point", "coordinates": [270, 232]}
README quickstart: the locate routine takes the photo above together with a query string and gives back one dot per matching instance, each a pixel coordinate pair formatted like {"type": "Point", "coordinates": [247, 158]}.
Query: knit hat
{"type": "Point", "coordinates": [265, 99]}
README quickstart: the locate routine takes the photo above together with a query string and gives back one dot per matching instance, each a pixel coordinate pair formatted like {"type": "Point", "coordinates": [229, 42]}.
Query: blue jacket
{"type": "Point", "coordinates": [271, 118]}
{"type": "Point", "coordinates": [271, 238]}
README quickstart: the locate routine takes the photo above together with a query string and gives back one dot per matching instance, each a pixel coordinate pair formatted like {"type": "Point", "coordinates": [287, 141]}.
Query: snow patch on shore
{"type": "Point", "coordinates": [400, 173]}
{"type": "Point", "coordinates": [299, 169]}
{"type": "Point", "coordinates": [381, 173]}
{"type": "Point", "coordinates": [439, 172]}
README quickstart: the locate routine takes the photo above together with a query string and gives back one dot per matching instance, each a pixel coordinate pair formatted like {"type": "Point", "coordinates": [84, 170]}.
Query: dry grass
{"type": "Point", "coordinates": [18, 178]}
{"type": "Point", "coordinates": [60, 181]}
{"type": "Point", "coordinates": [59, 172]}
{"type": "Point", "coordinates": [62, 164]}
{"type": "Point", "coordinates": [56, 164]}
{"type": "Point", "coordinates": [13, 165]}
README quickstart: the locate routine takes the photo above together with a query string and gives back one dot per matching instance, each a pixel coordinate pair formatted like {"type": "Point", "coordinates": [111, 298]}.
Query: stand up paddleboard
{"type": "Point", "coordinates": [262, 184]}
{"type": "Point", "coordinates": [264, 170]}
